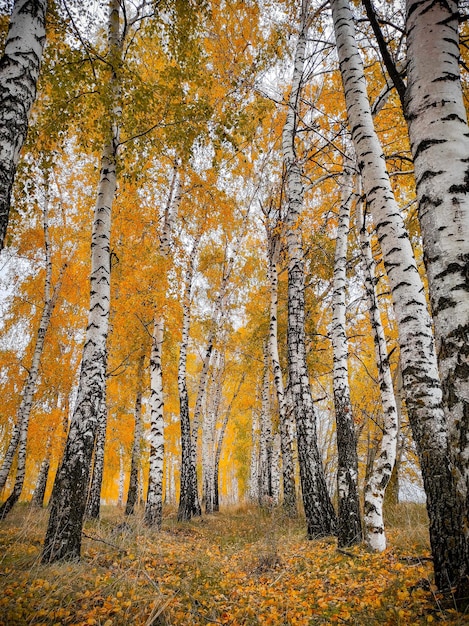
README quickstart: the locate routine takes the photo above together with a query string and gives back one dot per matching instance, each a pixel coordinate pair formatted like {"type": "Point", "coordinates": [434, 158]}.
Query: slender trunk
{"type": "Point", "coordinates": [208, 431]}
{"type": "Point", "coordinates": [19, 73]}
{"type": "Point", "coordinates": [40, 490]}
{"type": "Point", "coordinates": [375, 487]}
{"type": "Point", "coordinates": [154, 506]}
{"type": "Point", "coordinates": [63, 537]}
{"type": "Point", "coordinates": [349, 529]}
{"type": "Point", "coordinates": [439, 139]}
{"type": "Point", "coordinates": [132, 492]}
{"type": "Point", "coordinates": [320, 515]}
{"type": "Point", "coordinates": [19, 437]}
{"type": "Point", "coordinates": [286, 441]}
{"type": "Point", "coordinates": [221, 436]}
{"type": "Point", "coordinates": [265, 440]}
{"type": "Point", "coordinates": [186, 500]}
{"type": "Point", "coordinates": [94, 496]}
{"type": "Point", "coordinates": [120, 493]}
{"type": "Point", "coordinates": [254, 466]}
{"type": "Point", "coordinates": [417, 351]}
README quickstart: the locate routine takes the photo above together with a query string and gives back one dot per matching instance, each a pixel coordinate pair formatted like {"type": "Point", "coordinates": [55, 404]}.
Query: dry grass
{"type": "Point", "coordinates": [239, 567]}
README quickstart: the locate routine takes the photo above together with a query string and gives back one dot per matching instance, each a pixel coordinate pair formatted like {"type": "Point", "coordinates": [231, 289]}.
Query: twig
{"type": "Point", "coordinates": [113, 545]}
{"type": "Point", "coordinates": [158, 610]}
{"type": "Point", "coordinates": [354, 556]}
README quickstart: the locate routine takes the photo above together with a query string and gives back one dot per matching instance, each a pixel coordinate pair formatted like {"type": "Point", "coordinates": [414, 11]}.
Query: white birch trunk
{"type": "Point", "coordinates": [63, 537]}
{"type": "Point", "coordinates": [120, 493]}
{"type": "Point", "coordinates": [208, 431]}
{"type": "Point", "coordinates": [320, 515]}
{"type": "Point", "coordinates": [19, 436]}
{"type": "Point", "coordinates": [187, 504]}
{"type": "Point", "coordinates": [132, 493]}
{"type": "Point", "coordinates": [286, 428]}
{"type": "Point", "coordinates": [265, 438]}
{"type": "Point", "coordinates": [154, 506]}
{"type": "Point", "coordinates": [254, 465]}
{"type": "Point", "coordinates": [417, 351]}
{"type": "Point", "coordinates": [439, 139]}
{"type": "Point", "coordinates": [383, 465]}
{"type": "Point", "coordinates": [348, 523]}
{"type": "Point", "coordinates": [19, 73]}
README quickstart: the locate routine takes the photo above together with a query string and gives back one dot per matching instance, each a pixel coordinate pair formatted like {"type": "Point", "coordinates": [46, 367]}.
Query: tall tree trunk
{"type": "Point", "coordinates": [383, 465]}
{"type": "Point", "coordinates": [219, 446]}
{"type": "Point", "coordinates": [154, 506]}
{"type": "Point", "coordinates": [349, 529]}
{"type": "Point", "coordinates": [19, 437]}
{"type": "Point", "coordinates": [417, 351]}
{"type": "Point", "coordinates": [439, 139]}
{"type": "Point", "coordinates": [254, 465]}
{"type": "Point", "coordinates": [208, 431]}
{"type": "Point", "coordinates": [120, 493]}
{"type": "Point", "coordinates": [63, 537]}
{"type": "Point", "coordinates": [286, 441]}
{"type": "Point", "coordinates": [265, 439]}
{"type": "Point", "coordinates": [41, 484]}
{"type": "Point", "coordinates": [19, 73]}
{"type": "Point", "coordinates": [94, 496]}
{"type": "Point", "coordinates": [186, 499]}
{"type": "Point", "coordinates": [320, 514]}
{"type": "Point", "coordinates": [132, 493]}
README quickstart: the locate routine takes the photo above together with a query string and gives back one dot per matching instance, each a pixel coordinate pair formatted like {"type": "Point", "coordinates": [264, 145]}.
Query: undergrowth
{"type": "Point", "coordinates": [240, 567]}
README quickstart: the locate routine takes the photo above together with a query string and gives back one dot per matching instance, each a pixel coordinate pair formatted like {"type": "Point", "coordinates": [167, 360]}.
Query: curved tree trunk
{"type": "Point", "coordinates": [68, 504]}
{"type": "Point", "coordinates": [439, 139]}
{"type": "Point", "coordinates": [417, 351]}
{"type": "Point", "coordinates": [349, 529]}
{"type": "Point", "coordinates": [19, 73]}
{"type": "Point", "coordinates": [132, 493]}
{"type": "Point", "coordinates": [320, 514]}
{"type": "Point", "coordinates": [383, 465]}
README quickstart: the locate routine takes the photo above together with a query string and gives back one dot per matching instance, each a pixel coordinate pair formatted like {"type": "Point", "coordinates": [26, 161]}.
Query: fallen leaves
{"type": "Point", "coordinates": [237, 568]}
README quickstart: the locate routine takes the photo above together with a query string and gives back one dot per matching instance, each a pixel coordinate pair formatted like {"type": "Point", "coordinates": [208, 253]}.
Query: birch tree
{"type": "Point", "coordinates": [348, 523]}
{"type": "Point", "coordinates": [285, 425]}
{"type": "Point", "coordinates": [439, 139]}
{"type": "Point", "coordinates": [132, 493]}
{"type": "Point", "coordinates": [265, 437]}
{"type": "Point", "coordinates": [19, 436]}
{"type": "Point", "coordinates": [383, 465]}
{"type": "Point", "coordinates": [417, 351]}
{"type": "Point", "coordinates": [94, 496]}
{"type": "Point", "coordinates": [63, 537]}
{"type": "Point", "coordinates": [320, 514]}
{"type": "Point", "coordinates": [19, 73]}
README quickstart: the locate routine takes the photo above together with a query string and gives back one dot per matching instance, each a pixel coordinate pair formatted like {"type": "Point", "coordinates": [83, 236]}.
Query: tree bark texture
{"type": "Point", "coordinates": [265, 437]}
{"type": "Point", "coordinates": [94, 496]}
{"type": "Point", "coordinates": [383, 465]}
{"type": "Point", "coordinates": [19, 73]}
{"type": "Point", "coordinates": [439, 139]}
{"type": "Point", "coordinates": [320, 514]}
{"type": "Point", "coordinates": [349, 529]}
{"type": "Point", "coordinates": [417, 350]}
{"type": "Point", "coordinates": [63, 537]}
{"type": "Point", "coordinates": [132, 493]}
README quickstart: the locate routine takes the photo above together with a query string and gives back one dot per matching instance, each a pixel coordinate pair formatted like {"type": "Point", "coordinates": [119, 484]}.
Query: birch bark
{"type": "Point", "coordinates": [208, 431]}
{"type": "Point", "coordinates": [320, 514]}
{"type": "Point", "coordinates": [265, 438]}
{"type": "Point", "coordinates": [154, 505]}
{"type": "Point", "coordinates": [94, 496]}
{"type": "Point", "coordinates": [349, 529]}
{"type": "Point", "coordinates": [417, 351]}
{"type": "Point", "coordinates": [63, 537]}
{"type": "Point", "coordinates": [19, 73]}
{"type": "Point", "coordinates": [186, 507]}
{"type": "Point", "coordinates": [439, 139]}
{"type": "Point", "coordinates": [19, 436]}
{"type": "Point", "coordinates": [383, 465]}
{"type": "Point", "coordinates": [132, 493]}
{"type": "Point", "coordinates": [286, 441]}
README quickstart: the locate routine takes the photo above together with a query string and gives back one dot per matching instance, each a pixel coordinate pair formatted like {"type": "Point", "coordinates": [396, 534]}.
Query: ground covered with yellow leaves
{"type": "Point", "coordinates": [240, 567]}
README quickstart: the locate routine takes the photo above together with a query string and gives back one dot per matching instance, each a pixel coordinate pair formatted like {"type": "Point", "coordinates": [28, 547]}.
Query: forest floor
{"type": "Point", "coordinates": [241, 566]}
